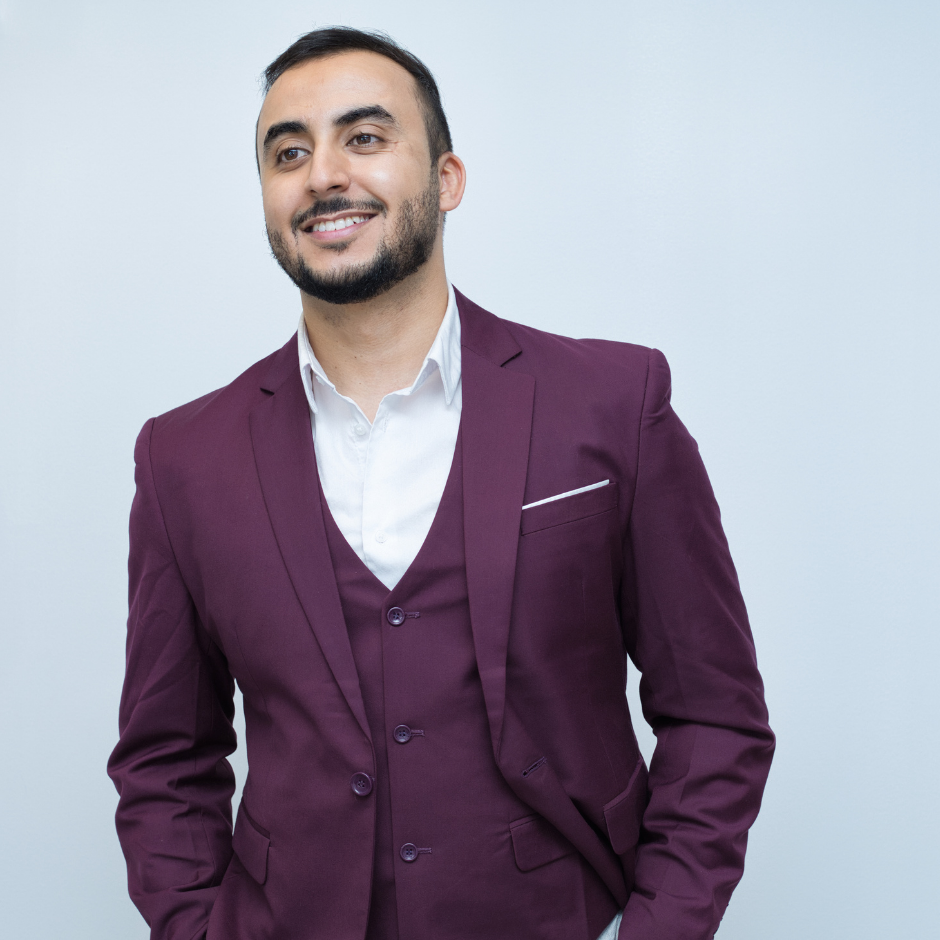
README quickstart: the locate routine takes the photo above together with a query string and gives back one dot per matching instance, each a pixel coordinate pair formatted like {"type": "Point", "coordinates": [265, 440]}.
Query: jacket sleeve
{"type": "Point", "coordinates": [686, 628]}
{"type": "Point", "coordinates": [175, 785]}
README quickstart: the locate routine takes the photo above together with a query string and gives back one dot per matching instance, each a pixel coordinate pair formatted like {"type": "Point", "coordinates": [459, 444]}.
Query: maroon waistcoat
{"type": "Point", "coordinates": [450, 835]}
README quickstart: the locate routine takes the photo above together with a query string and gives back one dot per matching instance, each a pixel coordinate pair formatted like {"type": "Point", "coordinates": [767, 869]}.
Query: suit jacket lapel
{"type": "Point", "coordinates": [496, 425]}
{"type": "Point", "coordinates": [284, 455]}
{"type": "Point", "coordinates": [496, 428]}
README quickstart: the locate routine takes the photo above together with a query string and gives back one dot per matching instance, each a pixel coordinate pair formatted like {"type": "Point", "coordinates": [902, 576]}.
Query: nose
{"type": "Point", "coordinates": [329, 172]}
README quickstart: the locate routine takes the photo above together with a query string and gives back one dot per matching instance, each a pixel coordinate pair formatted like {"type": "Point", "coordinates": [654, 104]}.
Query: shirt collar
{"type": "Point", "coordinates": [444, 355]}
{"type": "Point", "coordinates": [445, 350]}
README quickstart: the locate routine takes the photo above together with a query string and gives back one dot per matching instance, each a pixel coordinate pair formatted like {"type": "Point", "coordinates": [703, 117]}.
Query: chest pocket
{"type": "Point", "coordinates": [570, 508]}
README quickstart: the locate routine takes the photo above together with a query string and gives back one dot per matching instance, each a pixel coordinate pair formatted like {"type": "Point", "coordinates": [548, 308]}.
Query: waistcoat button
{"type": "Point", "coordinates": [402, 734]}
{"type": "Point", "coordinates": [409, 852]}
{"type": "Point", "coordinates": [396, 616]}
{"type": "Point", "coordinates": [361, 784]}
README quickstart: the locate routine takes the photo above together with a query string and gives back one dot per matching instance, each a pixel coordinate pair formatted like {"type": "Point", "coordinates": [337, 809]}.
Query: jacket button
{"type": "Point", "coordinates": [361, 784]}
{"type": "Point", "coordinates": [402, 734]}
{"type": "Point", "coordinates": [396, 616]}
{"type": "Point", "coordinates": [409, 852]}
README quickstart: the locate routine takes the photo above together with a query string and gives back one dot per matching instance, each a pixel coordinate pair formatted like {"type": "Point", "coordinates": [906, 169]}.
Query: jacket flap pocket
{"type": "Point", "coordinates": [536, 842]}
{"type": "Point", "coordinates": [251, 845]}
{"type": "Point", "coordinates": [624, 813]}
{"type": "Point", "coordinates": [569, 508]}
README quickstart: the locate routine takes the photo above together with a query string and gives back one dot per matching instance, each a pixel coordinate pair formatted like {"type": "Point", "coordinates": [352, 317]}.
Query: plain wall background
{"type": "Point", "coordinates": [750, 186]}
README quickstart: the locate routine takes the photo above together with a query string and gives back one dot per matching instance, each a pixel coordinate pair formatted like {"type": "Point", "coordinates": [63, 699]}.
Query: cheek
{"type": "Point", "coordinates": [381, 180]}
{"type": "Point", "coordinates": [391, 181]}
{"type": "Point", "coordinates": [279, 205]}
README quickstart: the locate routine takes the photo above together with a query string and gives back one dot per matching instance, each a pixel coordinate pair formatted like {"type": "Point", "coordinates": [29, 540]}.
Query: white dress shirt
{"type": "Point", "coordinates": [383, 481]}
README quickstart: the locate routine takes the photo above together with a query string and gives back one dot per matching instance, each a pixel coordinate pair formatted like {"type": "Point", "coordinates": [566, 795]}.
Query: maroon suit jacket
{"type": "Point", "coordinates": [230, 578]}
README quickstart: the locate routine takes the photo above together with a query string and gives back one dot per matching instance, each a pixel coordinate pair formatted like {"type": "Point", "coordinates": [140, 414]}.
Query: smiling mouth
{"type": "Point", "coordinates": [336, 225]}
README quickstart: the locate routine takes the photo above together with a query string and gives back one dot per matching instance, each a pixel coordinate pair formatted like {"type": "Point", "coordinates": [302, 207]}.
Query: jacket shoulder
{"type": "Point", "coordinates": [609, 369]}
{"type": "Point", "coordinates": [585, 349]}
{"type": "Point", "coordinates": [502, 341]}
{"type": "Point", "coordinates": [208, 420]}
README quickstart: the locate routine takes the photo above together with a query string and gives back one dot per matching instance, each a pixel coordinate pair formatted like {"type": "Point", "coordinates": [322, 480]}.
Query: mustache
{"type": "Point", "coordinates": [328, 206]}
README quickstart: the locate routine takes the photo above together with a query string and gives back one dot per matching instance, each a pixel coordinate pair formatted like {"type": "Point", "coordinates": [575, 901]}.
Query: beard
{"type": "Point", "coordinates": [398, 256]}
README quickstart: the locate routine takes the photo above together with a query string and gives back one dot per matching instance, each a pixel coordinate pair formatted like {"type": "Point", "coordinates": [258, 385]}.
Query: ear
{"type": "Point", "coordinates": [453, 177]}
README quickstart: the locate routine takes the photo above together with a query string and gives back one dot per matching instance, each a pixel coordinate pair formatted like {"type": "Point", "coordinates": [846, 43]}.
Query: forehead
{"type": "Point", "coordinates": [320, 89]}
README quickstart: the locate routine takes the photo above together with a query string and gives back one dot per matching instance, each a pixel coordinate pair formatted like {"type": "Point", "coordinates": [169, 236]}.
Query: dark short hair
{"type": "Point", "coordinates": [334, 40]}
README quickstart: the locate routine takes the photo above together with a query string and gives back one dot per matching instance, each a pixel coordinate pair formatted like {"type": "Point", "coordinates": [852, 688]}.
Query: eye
{"type": "Point", "coordinates": [290, 154]}
{"type": "Point", "coordinates": [364, 140]}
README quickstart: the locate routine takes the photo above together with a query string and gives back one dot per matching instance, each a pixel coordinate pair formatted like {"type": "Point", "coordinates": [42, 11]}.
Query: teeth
{"type": "Point", "coordinates": [338, 224]}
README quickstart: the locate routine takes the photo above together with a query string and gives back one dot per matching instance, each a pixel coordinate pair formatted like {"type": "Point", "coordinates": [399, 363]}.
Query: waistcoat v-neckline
{"type": "Point", "coordinates": [338, 542]}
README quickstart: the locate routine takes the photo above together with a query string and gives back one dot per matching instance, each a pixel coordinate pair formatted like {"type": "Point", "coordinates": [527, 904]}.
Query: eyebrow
{"type": "Point", "coordinates": [368, 112]}
{"type": "Point", "coordinates": [354, 116]}
{"type": "Point", "coordinates": [279, 130]}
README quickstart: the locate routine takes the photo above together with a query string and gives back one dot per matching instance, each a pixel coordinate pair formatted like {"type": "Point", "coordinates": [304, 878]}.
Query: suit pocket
{"type": "Point", "coordinates": [624, 816]}
{"type": "Point", "coordinates": [536, 842]}
{"type": "Point", "coordinates": [251, 845]}
{"type": "Point", "coordinates": [570, 508]}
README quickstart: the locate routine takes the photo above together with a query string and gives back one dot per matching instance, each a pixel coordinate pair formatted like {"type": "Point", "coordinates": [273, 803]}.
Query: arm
{"type": "Point", "coordinates": [687, 631]}
{"type": "Point", "coordinates": [174, 816]}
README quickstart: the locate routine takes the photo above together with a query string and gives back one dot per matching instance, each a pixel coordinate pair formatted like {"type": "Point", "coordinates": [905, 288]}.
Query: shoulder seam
{"type": "Point", "coordinates": [156, 496]}
{"type": "Point", "coordinates": [639, 434]}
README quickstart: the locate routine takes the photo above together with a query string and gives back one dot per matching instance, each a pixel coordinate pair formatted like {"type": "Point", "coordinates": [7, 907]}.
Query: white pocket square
{"type": "Point", "coordinates": [580, 489]}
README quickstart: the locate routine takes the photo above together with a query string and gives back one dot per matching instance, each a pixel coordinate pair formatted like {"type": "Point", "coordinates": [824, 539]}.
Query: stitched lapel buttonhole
{"type": "Point", "coordinates": [534, 767]}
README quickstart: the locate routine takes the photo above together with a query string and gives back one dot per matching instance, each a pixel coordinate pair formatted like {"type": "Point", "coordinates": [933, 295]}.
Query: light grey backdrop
{"type": "Point", "coordinates": [750, 186]}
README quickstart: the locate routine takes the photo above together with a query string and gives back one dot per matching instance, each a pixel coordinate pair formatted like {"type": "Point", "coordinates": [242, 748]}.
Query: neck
{"type": "Point", "coordinates": [370, 349]}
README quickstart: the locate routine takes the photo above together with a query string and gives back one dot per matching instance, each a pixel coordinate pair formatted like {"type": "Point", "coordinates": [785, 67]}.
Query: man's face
{"type": "Point", "coordinates": [351, 200]}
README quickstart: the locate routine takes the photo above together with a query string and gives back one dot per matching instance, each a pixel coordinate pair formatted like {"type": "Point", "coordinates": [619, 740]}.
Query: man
{"type": "Point", "coordinates": [424, 541]}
